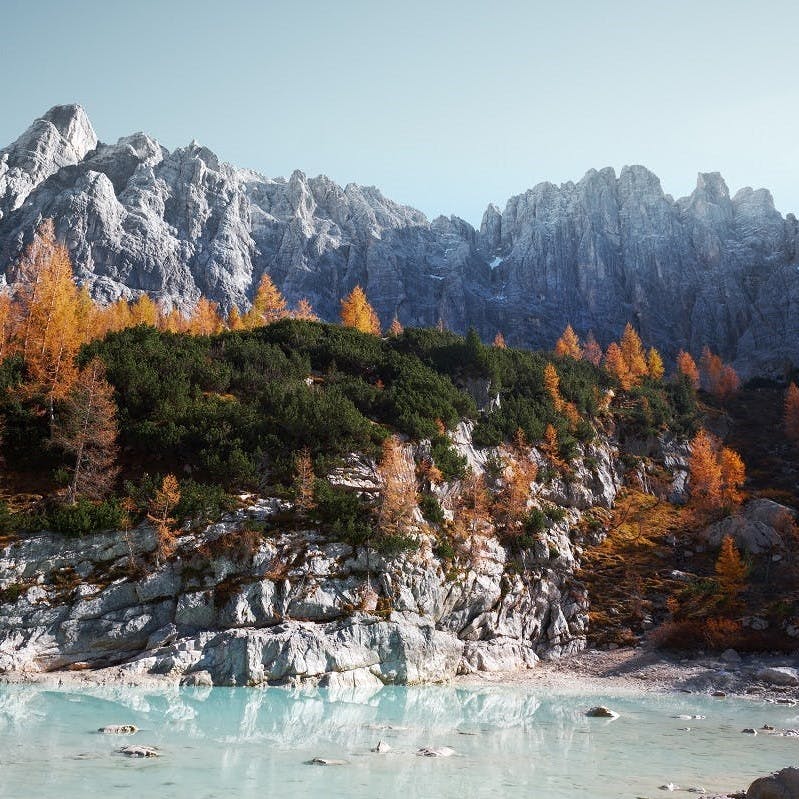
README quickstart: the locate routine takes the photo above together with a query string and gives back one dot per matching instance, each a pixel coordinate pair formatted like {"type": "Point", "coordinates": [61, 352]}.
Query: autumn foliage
{"type": "Point", "coordinates": [358, 313]}
{"type": "Point", "coordinates": [731, 571]}
{"type": "Point", "coordinates": [791, 412]}
{"type": "Point", "coordinates": [717, 474]}
{"type": "Point", "coordinates": [568, 345]}
{"type": "Point", "coordinates": [686, 367]}
{"type": "Point", "coordinates": [719, 378]}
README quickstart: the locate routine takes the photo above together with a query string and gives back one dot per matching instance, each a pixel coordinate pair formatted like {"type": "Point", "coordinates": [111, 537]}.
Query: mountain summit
{"type": "Point", "coordinates": [704, 269]}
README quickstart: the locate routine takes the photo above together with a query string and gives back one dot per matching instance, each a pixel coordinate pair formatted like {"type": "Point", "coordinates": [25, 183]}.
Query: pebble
{"type": "Point", "coordinates": [139, 751]}
{"type": "Point", "coordinates": [325, 761]}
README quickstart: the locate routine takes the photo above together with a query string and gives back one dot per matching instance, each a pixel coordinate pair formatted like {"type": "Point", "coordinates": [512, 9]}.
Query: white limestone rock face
{"type": "Point", "coordinates": [293, 610]}
{"type": "Point", "coordinates": [596, 253]}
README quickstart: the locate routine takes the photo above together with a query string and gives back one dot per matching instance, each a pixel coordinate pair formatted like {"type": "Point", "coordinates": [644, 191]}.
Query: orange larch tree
{"type": "Point", "coordinates": [304, 479]}
{"type": "Point", "coordinates": [686, 367]}
{"type": "Point", "coordinates": [234, 319]}
{"type": "Point", "coordinates": [396, 328]}
{"type": "Point", "coordinates": [552, 387]}
{"type": "Point", "coordinates": [705, 472]}
{"type": "Point", "coordinates": [358, 313]}
{"type": "Point", "coordinates": [304, 310]}
{"type": "Point", "coordinates": [720, 379]}
{"type": "Point", "coordinates": [268, 305]}
{"type": "Point", "coordinates": [568, 345]}
{"type": "Point", "coordinates": [144, 311]}
{"type": "Point", "coordinates": [733, 476]}
{"type": "Point", "coordinates": [397, 491]}
{"type": "Point", "coordinates": [617, 366]}
{"type": "Point", "coordinates": [592, 352]}
{"type": "Point", "coordinates": [499, 341]}
{"type": "Point", "coordinates": [159, 513]}
{"type": "Point", "coordinates": [49, 305]}
{"type": "Point", "coordinates": [205, 320]}
{"type": "Point", "coordinates": [731, 571]}
{"type": "Point", "coordinates": [654, 364]}
{"type": "Point", "coordinates": [87, 430]}
{"type": "Point", "coordinates": [633, 352]}
{"type": "Point", "coordinates": [791, 412]}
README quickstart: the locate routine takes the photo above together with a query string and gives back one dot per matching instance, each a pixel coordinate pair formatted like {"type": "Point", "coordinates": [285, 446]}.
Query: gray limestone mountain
{"type": "Point", "coordinates": [704, 269]}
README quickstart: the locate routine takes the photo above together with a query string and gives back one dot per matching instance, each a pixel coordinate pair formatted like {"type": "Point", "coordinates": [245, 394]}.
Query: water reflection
{"type": "Point", "coordinates": [508, 742]}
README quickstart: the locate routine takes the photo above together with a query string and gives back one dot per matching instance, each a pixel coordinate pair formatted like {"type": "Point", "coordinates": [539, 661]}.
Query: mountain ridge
{"type": "Point", "coordinates": [703, 269]}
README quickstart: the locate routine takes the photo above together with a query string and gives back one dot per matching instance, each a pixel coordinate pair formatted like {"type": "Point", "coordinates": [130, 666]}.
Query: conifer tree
{"type": "Point", "coordinates": [568, 345]}
{"type": "Point", "coordinates": [49, 305]}
{"type": "Point", "coordinates": [398, 489]}
{"type": "Point", "coordinates": [552, 387]}
{"type": "Point", "coordinates": [633, 353]}
{"type": "Point", "coordinates": [396, 328]}
{"type": "Point", "coordinates": [234, 319]}
{"type": "Point", "coordinates": [592, 352]}
{"type": "Point", "coordinates": [304, 479]}
{"type": "Point", "coordinates": [143, 312]}
{"type": "Point", "coordinates": [358, 313]}
{"type": "Point", "coordinates": [87, 430]}
{"type": "Point", "coordinates": [268, 305]}
{"type": "Point", "coordinates": [305, 311]}
{"type": "Point", "coordinates": [731, 571]}
{"type": "Point", "coordinates": [205, 321]}
{"type": "Point", "coordinates": [705, 471]}
{"type": "Point", "coordinates": [616, 364]}
{"type": "Point", "coordinates": [159, 513]}
{"type": "Point", "coordinates": [686, 367]}
{"type": "Point", "coordinates": [499, 341]}
{"type": "Point", "coordinates": [791, 412]}
{"type": "Point", "coordinates": [733, 476]}
{"type": "Point", "coordinates": [654, 364]}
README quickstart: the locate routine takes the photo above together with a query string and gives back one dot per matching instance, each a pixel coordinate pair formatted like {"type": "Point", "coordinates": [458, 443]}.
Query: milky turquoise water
{"type": "Point", "coordinates": [241, 742]}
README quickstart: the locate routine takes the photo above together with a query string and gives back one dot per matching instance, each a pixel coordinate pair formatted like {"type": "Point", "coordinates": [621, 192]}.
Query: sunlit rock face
{"type": "Point", "coordinates": [705, 269]}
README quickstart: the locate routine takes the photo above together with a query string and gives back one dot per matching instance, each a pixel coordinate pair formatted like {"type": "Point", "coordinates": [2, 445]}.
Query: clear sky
{"type": "Point", "coordinates": [443, 105]}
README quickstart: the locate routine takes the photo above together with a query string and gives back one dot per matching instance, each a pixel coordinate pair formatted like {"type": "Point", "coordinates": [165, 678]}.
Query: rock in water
{"type": "Point", "coordinates": [440, 751]}
{"type": "Point", "coordinates": [601, 712]}
{"type": "Point", "coordinates": [381, 747]}
{"type": "Point", "coordinates": [782, 785]}
{"type": "Point", "coordinates": [139, 751]}
{"type": "Point", "coordinates": [326, 761]}
{"type": "Point", "coordinates": [119, 729]}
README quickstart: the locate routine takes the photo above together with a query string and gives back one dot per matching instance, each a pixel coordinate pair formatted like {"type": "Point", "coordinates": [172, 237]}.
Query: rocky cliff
{"type": "Point", "coordinates": [707, 268]}
{"type": "Point", "coordinates": [236, 607]}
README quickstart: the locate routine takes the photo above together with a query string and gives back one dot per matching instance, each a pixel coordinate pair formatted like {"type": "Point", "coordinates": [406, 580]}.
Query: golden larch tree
{"type": "Point", "coordinates": [49, 305]}
{"type": "Point", "coordinates": [617, 366]}
{"type": "Point", "coordinates": [733, 476]}
{"type": "Point", "coordinates": [397, 489]}
{"type": "Point", "coordinates": [719, 378]}
{"type": "Point", "coordinates": [144, 311]}
{"type": "Point", "coordinates": [551, 448]}
{"type": "Point", "coordinates": [304, 480]}
{"type": "Point", "coordinates": [654, 364]}
{"type": "Point", "coordinates": [568, 345]}
{"type": "Point", "coordinates": [6, 326]}
{"type": "Point", "coordinates": [633, 352]}
{"type": "Point", "coordinates": [791, 412]}
{"type": "Point", "coordinates": [592, 352]}
{"type": "Point", "coordinates": [205, 320]}
{"type": "Point", "coordinates": [396, 328]}
{"type": "Point", "coordinates": [87, 431]}
{"type": "Point", "coordinates": [517, 475]}
{"type": "Point", "coordinates": [731, 571]}
{"type": "Point", "coordinates": [552, 387]}
{"type": "Point", "coordinates": [499, 341]}
{"type": "Point", "coordinates": [304, 310]}
{"type": "Point", "coordinates": [268, 305]}
{"type": "Point", "coordinates": [234, 319]}
{"type": "Point", "coordinates": [687, 368]}
{"type": "Point", "coordinates": [160, 508]}
{"type": "Point", "coordinates": [705, 472]}
{"type": "Point", "coordinates": [358, 313]}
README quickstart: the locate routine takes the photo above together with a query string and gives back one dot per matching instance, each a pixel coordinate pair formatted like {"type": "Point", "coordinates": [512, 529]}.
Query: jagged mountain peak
{"type": "Point", "coordinates": [597, 252]}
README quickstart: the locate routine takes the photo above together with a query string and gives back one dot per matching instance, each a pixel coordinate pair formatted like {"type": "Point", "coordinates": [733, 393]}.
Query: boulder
{"type": "Point", "coordinates": [781, 785]}
{"type": "Point", "coordinates": [119, 729]}
{"type": "Point", "coordinates": [601, 712]}
{"type": "Point", "coordinates": [779, 675]}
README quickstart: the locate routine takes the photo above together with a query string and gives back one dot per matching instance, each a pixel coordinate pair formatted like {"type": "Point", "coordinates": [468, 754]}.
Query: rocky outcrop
{"type": "Point", "coordinates": [706, 269]}
{"type": "Point", "coordinates": [236, 607]}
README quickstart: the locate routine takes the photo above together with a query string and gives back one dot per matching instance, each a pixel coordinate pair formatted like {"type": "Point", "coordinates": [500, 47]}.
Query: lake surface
{"type": "Point", "coordinates": [239, 742]}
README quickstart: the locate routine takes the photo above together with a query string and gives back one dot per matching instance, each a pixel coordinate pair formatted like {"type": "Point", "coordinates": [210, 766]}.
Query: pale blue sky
{"type": "Point", "coordinates": [443, 105]}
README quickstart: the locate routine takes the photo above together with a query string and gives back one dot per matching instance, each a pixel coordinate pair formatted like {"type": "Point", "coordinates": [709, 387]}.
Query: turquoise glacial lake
{"type": "Point", "coordinates": [240, 742]}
